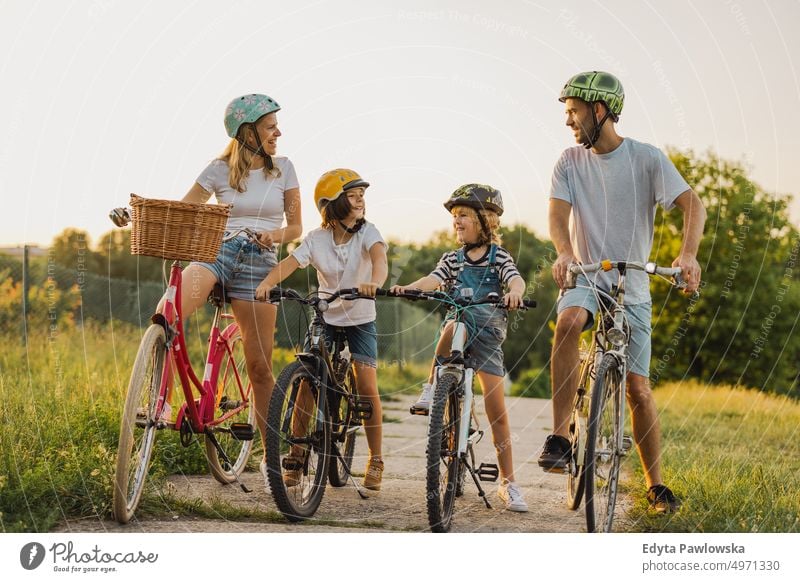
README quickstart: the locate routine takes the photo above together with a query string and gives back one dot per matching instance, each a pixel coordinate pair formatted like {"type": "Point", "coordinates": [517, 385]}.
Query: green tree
{"type": "Point", "coordinates": [114, 259]}
{"type": "Point", "coordinates": [741, 329]}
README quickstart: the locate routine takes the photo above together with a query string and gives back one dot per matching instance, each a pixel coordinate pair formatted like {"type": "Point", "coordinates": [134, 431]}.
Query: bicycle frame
{"type": "Point", "coordinates": [200, 415]}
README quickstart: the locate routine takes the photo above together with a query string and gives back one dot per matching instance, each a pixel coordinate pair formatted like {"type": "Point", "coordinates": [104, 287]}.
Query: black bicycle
{"type": "Point", "coordinates": [314, 414]}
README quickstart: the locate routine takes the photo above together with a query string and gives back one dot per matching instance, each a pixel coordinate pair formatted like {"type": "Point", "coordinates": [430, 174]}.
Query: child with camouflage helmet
{"type": "Point", "coordinates": [484, 266]}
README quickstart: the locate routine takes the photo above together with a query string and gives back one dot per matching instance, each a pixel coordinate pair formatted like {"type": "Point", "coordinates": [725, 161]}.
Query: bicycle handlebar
{"type": "Point", "coordinates": [418, 294]}
{"type": "Point", "coordinates": [650, 268]}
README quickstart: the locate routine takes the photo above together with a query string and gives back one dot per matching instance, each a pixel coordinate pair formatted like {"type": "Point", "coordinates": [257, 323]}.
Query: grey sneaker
{"type": "Point", "coordinates": [511, 495]}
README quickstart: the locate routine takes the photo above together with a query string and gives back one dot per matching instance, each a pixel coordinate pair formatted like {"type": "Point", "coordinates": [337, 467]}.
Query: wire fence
{"type": "Point", "coordinates": [406, 332]}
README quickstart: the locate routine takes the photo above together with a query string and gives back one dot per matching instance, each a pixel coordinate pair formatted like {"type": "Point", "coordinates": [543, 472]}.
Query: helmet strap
{"type": "Point", "coordinates": [592, 139]}
{"type": "Point", "coordinates": [356, 227]}
{"type": "Point", "coordinates": [258, 150]}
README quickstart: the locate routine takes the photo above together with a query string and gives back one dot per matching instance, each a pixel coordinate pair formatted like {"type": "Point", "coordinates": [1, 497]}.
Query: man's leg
{"type": "Point", "coordinates": [564, 378]}
{"type": "Point", "coordinates": [564, 365]}
{"type": "Point", "coordinates": [646, 428]}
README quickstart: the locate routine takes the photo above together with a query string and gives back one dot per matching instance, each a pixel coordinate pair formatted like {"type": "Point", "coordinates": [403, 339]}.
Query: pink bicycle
{"type": "Point", "coordinates": [218, 406]}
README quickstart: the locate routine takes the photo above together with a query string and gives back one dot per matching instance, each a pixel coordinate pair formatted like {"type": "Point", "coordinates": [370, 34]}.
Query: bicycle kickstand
{"type": "Point", "coordinates": [481, 492]}
{"type": "Point", "coordinates": [359, 489]}
{"type": "Point", "coordinates": [226, 460]}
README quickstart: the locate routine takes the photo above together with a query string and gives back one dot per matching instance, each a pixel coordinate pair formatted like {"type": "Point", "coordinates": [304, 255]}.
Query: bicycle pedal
{"type": "Point", "coordinates": [363, 409]}
{"type": "Point", "coordinates": [488, 472]}
{"type": "Point", "coordinates": [419, 410]}
{"type": "Point", "coordinates": [292, 464]}
{"type": "Point", "coordinates": [242, 431]}
{"type": "Point", "coordinates": [627, 444]}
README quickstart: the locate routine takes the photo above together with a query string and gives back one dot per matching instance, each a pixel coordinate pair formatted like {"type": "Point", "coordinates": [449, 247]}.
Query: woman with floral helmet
{"type": "Point", "coordinates": [263, 191]}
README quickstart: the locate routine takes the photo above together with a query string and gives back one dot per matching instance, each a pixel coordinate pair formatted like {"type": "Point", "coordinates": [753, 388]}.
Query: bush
{"type": "Point", "coordinates": [532, 383]}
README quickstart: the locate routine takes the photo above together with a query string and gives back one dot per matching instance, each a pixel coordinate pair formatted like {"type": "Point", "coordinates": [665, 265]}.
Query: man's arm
{"type": "Point", "coordinates": [559, 234]}
{"type": "Point", "coordinates": [694, 220]}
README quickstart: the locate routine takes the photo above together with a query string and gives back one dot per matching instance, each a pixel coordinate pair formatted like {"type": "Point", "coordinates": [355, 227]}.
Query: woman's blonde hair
{"type": "Point", "coordinates": [491, 220]}
{"type": "Point", "coordinates": [238, 159]}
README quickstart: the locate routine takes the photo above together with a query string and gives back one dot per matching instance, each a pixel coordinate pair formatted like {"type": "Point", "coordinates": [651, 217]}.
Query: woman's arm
{"type": "Point", "coordinates": [294, 221]}
{"type": "Point", "coordinates": [197, 194]}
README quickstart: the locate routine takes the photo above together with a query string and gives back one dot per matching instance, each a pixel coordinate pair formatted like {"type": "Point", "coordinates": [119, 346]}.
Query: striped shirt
{"type": "Point", "coordinates": [448, 266]}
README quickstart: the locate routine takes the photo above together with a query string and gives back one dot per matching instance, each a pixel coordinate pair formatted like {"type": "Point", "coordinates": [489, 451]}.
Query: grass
{"type": "Point", "coordinates": [61, 394]}
{"type": "Point", "coordinates": [732, 455]}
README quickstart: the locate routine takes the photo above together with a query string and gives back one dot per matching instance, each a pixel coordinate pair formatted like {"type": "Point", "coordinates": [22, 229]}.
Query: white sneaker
{"type": "Point", "coordinates": [426, 398]}
{"type": "Point", "coordinates": [263, 468]}
{"type": "Point", "coordinates": [511, 495]}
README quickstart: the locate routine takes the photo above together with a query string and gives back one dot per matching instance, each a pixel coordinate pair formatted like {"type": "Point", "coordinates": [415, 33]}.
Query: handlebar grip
{"type": "Point", "coordinates": [529, 303]}
{"type": "Point", "coordinates": [119, 216]}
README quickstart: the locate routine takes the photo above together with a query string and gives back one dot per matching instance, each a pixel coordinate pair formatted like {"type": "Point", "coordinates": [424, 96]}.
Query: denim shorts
{"type": "Point", "coordinates": [639, 317]}
{"type": "Point", "coordinates": [240, 266]}
{"type": "Point", "coordinates": [361, 339]}
{"type": "Point", "coordinates": [486, 332]}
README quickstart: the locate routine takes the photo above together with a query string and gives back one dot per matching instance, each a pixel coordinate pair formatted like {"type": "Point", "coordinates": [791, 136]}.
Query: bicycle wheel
{"type": "Point", "coordinates": [575, 467]}
{"type": "Point", "coordinates": [138, 424]}
{"type": "Point", "coordinates": [344, 424]}
{"type": "Point", "coordinates": [298, 445]}
{"type": "Point", "coordinates": [442, 454]}
{"type": "Point", "coordinates": [602, 453]}
{"type": "Point", "coordinates": [233, 397]}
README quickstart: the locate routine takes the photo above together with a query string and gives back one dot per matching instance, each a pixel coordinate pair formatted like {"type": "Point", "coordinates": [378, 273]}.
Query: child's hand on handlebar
{"type": "Point", "coordinates": [262, 291]}
{"type": "Point", "coordinates": [512, 300]}
{"type": "Point", "coordinates": [368, 289]}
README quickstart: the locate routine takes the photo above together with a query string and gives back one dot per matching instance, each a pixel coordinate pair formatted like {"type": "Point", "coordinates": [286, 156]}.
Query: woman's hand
{"type": "Point", "coordinates": [265, 239]}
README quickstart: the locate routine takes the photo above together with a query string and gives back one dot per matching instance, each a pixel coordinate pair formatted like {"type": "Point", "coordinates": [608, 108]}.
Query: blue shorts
{"type": "Point", "coordinates": [639, 317]}
{"type": "Point", "coordinates": [240, 266]}
{"type": "Point", "coordinates": [486, 332]}
{"type": "Point", "coordinates": [362, 340]}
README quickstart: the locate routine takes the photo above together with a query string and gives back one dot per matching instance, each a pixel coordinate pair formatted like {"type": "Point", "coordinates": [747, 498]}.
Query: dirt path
{"type": "Point", "coordinates": [401, 504]}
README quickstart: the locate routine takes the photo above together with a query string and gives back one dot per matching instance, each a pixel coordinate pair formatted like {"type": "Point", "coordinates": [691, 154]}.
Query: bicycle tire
{"type": "Point", "coordinates": [295, 392]}
{"type": "Point", "coordinates": [138, 424]}
{"type": "Point", "coordinates": [602, 455]}
{"type": "Point", "coordinates": [575, 472]}
{"type": "Point", "coordinates": [344, 422]}
{"type": "Point", "coordinates": [233, 389]}
{"type": "Point", "coordinates": [442, 459]}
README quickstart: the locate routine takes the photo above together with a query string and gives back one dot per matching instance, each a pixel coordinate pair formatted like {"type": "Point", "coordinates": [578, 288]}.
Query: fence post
{"type": "Point", "coordinates": [25, 288]}
{"type": "Point", "coordinates": [399, 334]}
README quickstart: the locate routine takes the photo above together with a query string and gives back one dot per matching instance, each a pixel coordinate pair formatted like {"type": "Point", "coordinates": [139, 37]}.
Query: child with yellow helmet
{"type": "Point", "coordinates": [347, 251]}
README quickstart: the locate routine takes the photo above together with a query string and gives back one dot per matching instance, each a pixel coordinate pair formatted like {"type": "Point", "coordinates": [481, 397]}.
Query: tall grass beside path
{"type": "Point", "coordinates": [732, 455]}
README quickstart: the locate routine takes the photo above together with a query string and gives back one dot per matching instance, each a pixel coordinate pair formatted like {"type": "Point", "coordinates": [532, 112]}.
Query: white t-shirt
{"type": "Point", "coordinates": [341, 267]}
{"type": "Point", "coordinates": [261, 205]}
{"type": "Point", "coordinates": [614, 198]}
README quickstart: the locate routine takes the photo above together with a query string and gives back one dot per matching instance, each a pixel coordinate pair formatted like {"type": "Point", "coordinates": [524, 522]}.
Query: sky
{"type": "Point", "coordinates": [103, 98]}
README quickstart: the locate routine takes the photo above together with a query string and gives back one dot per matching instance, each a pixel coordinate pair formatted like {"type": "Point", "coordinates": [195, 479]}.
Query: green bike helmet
{"type": "Point", "coordinates": [593, 86]}
{"type": "Point", "coordinates": [247, 109]}
{"type": "Point", "coordinates": [477, 196]}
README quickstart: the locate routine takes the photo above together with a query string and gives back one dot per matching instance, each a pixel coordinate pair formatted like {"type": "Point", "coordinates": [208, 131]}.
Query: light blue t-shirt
{"type": "Point", "coordinates": [613, 198]}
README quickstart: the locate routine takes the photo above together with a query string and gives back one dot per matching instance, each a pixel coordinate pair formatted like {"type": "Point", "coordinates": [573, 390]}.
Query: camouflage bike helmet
{"type": "Point", "coordinates": [594, 86]}
{"type": "Point", "coordinates": [479, 197]}
{"type": "Point", "coordinates": [244, 112]}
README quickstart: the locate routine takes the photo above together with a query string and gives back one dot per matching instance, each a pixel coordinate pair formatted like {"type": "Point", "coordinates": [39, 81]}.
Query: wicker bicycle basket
{"type": "Point", "coordinates": [171, 229]}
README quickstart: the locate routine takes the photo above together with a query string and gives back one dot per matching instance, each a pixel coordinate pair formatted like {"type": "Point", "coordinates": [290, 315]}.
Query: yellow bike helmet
{"type": "Point", "coordinates": [333, 184]}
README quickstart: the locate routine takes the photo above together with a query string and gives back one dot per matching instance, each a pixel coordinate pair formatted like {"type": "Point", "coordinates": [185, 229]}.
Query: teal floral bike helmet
{"type": "Point", "coordinates": [244, 112]}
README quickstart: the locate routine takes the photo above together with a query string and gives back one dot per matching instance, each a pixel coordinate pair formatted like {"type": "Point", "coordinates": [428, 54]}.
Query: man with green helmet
{"type": "Point", "coordinates": [610, 188]}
